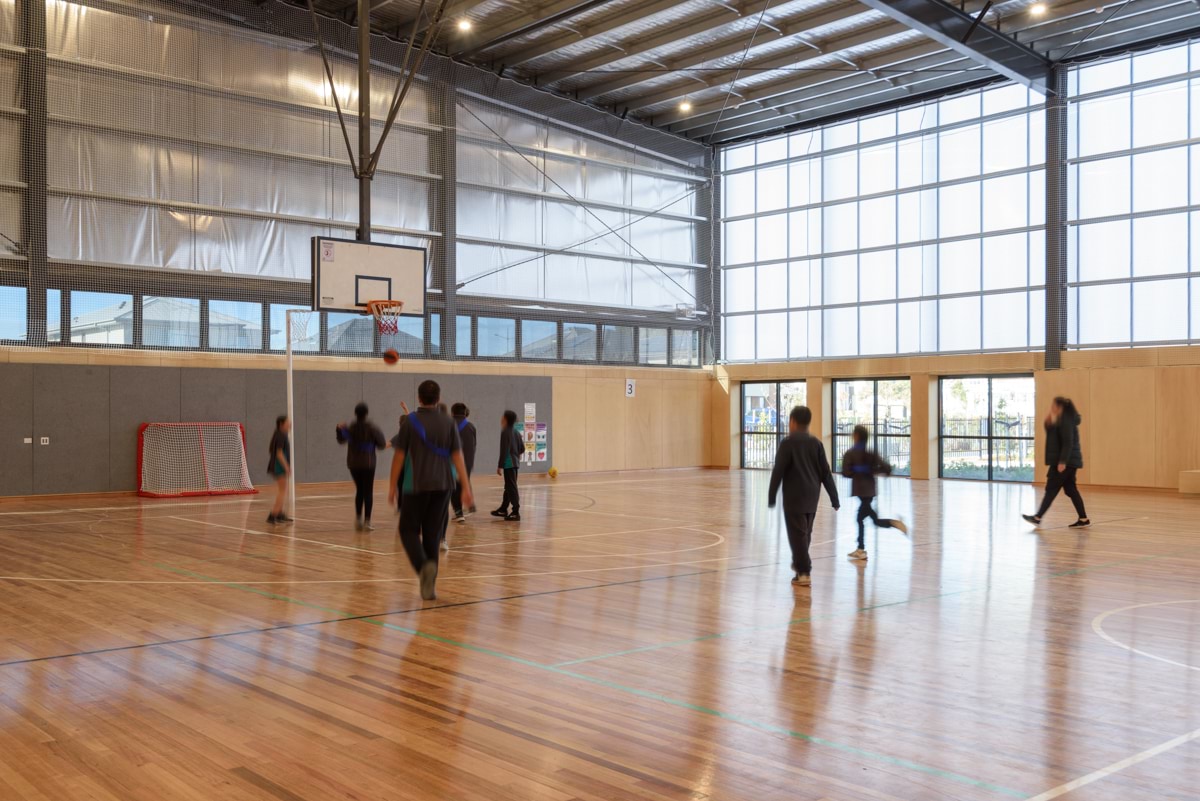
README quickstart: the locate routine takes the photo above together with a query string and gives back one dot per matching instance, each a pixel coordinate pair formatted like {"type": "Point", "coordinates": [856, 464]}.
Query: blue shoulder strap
{"type": "Point", "coordinates": [462, 424]}
{"type": "Point", "coordinates": [420, 429]}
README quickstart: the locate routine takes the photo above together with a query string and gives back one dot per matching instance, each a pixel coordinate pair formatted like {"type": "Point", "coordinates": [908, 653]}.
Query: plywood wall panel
{"type": "Point", "coordinates": [644, 425]}
{"type": "Point", "coordinates": [1177, 433]}
{"type": "Point", "coordinates": [605, 423]}
{"type": "Point", "coordinates": [1122, 418]}
{"type": "Point", "coordinates": [570, 425]}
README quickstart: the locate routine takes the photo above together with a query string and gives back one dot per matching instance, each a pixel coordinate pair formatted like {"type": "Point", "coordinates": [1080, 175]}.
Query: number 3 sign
{"type": "Point", "coordinates": [630, 388]}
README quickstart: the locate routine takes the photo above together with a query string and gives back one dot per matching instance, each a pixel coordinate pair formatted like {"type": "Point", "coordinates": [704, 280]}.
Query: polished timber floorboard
{"type": "Point", "coordinates": [635, 637]}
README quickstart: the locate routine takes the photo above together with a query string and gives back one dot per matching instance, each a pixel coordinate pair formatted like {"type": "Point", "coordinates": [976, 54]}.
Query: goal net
{"type": "Point", "coordinates": [180, 459]}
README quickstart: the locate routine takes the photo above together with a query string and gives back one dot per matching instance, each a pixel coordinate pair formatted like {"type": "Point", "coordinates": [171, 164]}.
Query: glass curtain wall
{"type": "Point", "coordinates": [913, 231]}
{"type": "Point", "coordinates": [765, 411]}
{"type": "Point", "coordinates": [987, 428]}
{"type": "Point", "coordinates": [884, 406]}
{"type": "Point", "coordinates": [1134, 213]}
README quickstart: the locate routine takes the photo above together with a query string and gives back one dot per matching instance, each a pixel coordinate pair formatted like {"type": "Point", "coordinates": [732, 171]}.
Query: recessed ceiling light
{"type": "Point", "coordinates": [464, 24]}
{"type": "Point", "coordinates": [685, 106]}
{"type": "Point", "coordinates": [1037, 9]}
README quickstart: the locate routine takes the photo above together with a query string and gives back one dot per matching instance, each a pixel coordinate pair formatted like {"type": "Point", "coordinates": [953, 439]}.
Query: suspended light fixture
{"type": "Point", "coordinates": [464, 24]}
{"type": "Point", "coordinates": [685, 106]}
{"type": "Point", "coordinates": [1037, 9]}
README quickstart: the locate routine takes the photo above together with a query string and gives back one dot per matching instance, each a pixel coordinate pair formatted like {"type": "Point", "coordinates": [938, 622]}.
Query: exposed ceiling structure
{"type": "Point", "coordinates": [723, 70]}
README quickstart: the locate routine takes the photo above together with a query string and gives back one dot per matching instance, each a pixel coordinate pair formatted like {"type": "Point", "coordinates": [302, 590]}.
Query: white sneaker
{"type": "Point", "coordinates": [460, 518]}
{"type": "Point", "coordinates": [858, 553]}
{"type": "Point", "coordinates": [900, 525]}
{"type": "Point", "coordinates": [445, 543]}
{"type": "Point", "coordinates": [358, 524]}
{"type": "Point", "coordinates": [802, 580]}
{"type": "Point", "coordinates": [366, 526]}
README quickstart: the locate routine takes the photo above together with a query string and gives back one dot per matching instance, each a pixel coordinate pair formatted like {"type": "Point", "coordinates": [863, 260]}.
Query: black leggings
{"type": "Point", "coordinates": [1064, 481]}
{"type": "Point", "coordinates": [364, 491]}
{"type": "Point", "coordinates": [867, 512]}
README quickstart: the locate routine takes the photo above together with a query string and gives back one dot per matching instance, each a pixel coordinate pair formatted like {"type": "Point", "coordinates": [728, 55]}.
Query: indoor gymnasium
{"type": "Point", "coordinates": [599, 400]}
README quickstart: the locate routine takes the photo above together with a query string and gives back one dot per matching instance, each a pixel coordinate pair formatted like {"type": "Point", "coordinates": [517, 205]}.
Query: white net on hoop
{"type": "Point", "coordinates": [303, 339]}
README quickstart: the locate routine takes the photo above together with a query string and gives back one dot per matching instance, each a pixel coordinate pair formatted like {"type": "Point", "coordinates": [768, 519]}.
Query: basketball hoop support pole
{"type": "Point", "coordinates": [291, 413]}
{"type": "Point", "coordinates": [364, 120]}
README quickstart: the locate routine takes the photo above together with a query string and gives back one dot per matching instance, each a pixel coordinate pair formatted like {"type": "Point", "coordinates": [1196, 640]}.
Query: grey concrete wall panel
{"type": "Point", "coordinates": [137, 395]}
{"type": "Point", "coordinates": [330, 399]}
{"type": "Point", "coordinates": [16, 423]}
{"type": "Point", "coordinates": [212, 395]}
{"type": "Point", "coordinates": [71, 406]}
{"type": "Point", "coordinates": [383, 393]}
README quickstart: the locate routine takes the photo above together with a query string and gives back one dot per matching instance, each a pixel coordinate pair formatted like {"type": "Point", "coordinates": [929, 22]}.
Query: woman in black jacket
{"type": "Point", "coordinates": [362, 439]}
{"type": "Point", "coordinates": [1064, 458]}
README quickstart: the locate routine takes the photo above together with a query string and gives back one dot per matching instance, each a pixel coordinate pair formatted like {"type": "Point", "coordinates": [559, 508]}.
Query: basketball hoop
{"type": "Point", "coordinates": [387, 315]}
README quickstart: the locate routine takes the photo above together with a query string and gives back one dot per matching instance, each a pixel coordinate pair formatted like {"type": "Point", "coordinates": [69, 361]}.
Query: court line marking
{"type": "Point", "coordinates": [769, 728]}
{"type": "Point", "coordinates": [1116, 767]}
{"type": "Point", "coordinates": [831, 616]}
{"type": "Point", "coordinates": [390, 580]}
{"type": "Point", "coordinates": [1098, 627]}
{"type": "Point", "coordinates": [287, 626]}
{"type": "Point", "coordinates": [244, 530]}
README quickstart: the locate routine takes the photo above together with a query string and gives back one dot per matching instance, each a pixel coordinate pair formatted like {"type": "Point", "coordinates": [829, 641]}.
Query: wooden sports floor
{"type": "Point", "coordinates": [635, 637]}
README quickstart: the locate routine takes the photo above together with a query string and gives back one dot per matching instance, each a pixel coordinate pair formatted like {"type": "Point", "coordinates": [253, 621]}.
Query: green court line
{"type": "Point", "coordinates": [836, 615]}
{"type": "Point", "coordinates": [769, 728]}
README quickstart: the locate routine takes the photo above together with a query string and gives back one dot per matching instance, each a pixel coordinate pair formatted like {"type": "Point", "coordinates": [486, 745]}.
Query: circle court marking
{"type": "Point", "coordinates": [1098, 627]}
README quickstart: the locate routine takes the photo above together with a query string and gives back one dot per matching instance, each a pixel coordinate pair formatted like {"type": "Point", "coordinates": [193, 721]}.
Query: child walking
{"type": "Point", "coordinates": [511, 448]}
{"type": "Point", "coordinates": [1064, 458]}
{"type": "Point", "coordinates": [801, 469]}
{"type": "Point", "coordinates": [429, 443]}
{"type": "Point", "coordinates": [861, 465]}
{"type": "Point", "coordinates": [280, 467]}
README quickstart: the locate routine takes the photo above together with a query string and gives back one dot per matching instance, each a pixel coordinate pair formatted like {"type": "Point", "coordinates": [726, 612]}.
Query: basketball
{"type": "Point", "coordinates": [552, 472]}
{"type": "Point", "coordinates": [391, 356]}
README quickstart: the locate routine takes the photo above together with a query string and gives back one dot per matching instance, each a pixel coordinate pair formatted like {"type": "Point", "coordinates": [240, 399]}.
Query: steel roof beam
{"type": "Point", "coordinates": [818, 49]}
{"type": "Point", "coordinates": [529, 21]}
{"type": "Point", "coordinates": [732, 47]}
{"type": "Point", "coordinates": [701, 113]}
{"type": "Point", "coordinates": [588, 32]}
{"type": "Point", "coordinates": [861, 90]}
{"type": "Point", "coordinates": [725, 15]}
{"type": "Point", "coordinates": [885, 96]}
{"type": "Point", "coordinates": [948, 26]}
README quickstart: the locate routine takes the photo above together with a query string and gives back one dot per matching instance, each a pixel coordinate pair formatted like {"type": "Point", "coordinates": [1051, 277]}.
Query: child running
{"type": "Point", "coordinates": [861, 465]}
{"type": "Point", "coordinates": [429, 441]}
{"type": "Point", "coordinates": [280, 467]}
{"type": "Point", "coordinates": [511, 448]}
{"type": "Point", "coordinates": [802, 469]}
{"type": "Point", "coordinates": [470, 441]}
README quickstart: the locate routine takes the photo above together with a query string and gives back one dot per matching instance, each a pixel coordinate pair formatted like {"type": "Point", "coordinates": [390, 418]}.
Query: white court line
{"type": "Point", "coordinates": [284, 536]}
{"type": "Point", "coordinates": [1116, 767]}
{"type": "Point", "coordinates": [525, 540]}
{"type": "Point", "coordinates": [1098, 627]}
{"type": "Point", "coordinates": [249, 582]}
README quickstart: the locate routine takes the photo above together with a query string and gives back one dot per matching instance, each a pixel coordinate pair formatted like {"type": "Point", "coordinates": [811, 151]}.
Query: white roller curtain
{"type": "Point", "coordinates": [208, 148]}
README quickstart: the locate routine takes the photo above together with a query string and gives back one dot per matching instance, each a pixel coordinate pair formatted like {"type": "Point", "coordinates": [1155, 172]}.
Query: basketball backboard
{"type": "Point", "coordinates": [347, 274]}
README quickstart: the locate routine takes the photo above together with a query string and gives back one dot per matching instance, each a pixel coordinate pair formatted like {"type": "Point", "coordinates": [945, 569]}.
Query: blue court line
{"type": "Point", "coordinates": [769, 728]}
